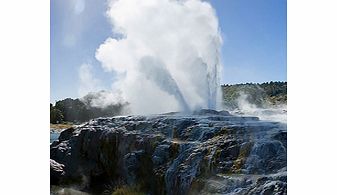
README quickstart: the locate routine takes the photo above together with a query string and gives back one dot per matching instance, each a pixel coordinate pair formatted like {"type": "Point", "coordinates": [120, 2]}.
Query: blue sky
{"type": "Point", "coordinates": [254, 47]}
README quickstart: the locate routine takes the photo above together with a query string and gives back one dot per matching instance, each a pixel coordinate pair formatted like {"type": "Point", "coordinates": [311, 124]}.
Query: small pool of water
{"type": "Point", "coordinates": [54, 136]}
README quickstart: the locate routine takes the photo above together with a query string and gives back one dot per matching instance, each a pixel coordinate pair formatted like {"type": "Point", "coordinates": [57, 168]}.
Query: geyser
{"type": "Point", "coordinates": [166, 54]}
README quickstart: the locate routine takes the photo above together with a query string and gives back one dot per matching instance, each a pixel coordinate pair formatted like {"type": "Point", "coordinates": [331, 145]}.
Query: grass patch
{"type": "Point", "coordinates": [127, 190]}
{"type": "Point", "coordinates": [61, 126]}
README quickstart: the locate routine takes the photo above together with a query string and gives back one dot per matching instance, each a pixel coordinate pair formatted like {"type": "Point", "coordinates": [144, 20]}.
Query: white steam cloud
{"type": "Point", "coordinates": [88, 90]}
{"type": "Point", "coordinates": [266, 112]}
{"type": "Point", "coordinates": [168, 56]}
{"type": "Point", "coordinates": [88, 82]}
{"type": "Point", "coordinates": [103, 99]}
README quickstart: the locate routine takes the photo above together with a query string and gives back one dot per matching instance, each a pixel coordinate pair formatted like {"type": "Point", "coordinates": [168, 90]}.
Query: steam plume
{"type": "Point", "coordinates": [266, 112]}
{"type": "Point", "coordinates": [167, 56]}
{"type": "Point", "coordinates": [88, 82]}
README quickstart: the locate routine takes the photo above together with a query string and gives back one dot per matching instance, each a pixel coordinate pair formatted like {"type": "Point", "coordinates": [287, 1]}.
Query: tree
{"type": "Point", "coordinates": [73, 110]}
{"type": "Point", "coordinates": [56, 115]}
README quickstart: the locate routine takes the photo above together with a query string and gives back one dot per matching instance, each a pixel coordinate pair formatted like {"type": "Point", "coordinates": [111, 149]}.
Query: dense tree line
{"type": "Point", "coordinates": [75, 110]}
{"type": "Point", "coordinates": [265, 94]}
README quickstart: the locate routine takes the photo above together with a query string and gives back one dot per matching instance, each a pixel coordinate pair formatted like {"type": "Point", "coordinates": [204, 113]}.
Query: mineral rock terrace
{"type": "Point", "coordinates": [205, 152]}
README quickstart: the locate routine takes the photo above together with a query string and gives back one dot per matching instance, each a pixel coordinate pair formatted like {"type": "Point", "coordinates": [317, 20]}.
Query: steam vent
{"type": "Point", "coordinates": [206, 152]}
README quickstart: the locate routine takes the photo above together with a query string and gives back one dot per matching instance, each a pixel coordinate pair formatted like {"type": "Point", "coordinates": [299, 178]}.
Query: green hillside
{"type": "Point", "coordinates": [262, 95]}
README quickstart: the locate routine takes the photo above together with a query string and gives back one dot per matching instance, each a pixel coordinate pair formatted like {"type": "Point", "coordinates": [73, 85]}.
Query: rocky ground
{"type": "Point", "coordinates": [206, 152]}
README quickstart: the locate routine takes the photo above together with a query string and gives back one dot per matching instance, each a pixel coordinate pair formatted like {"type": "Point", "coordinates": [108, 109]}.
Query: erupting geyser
{"type": "Point", "coordinates": [166, 54]}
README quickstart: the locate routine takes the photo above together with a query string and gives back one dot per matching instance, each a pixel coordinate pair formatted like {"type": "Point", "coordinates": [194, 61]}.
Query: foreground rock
{"type": "Point", "coordinates": [207, 152]}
